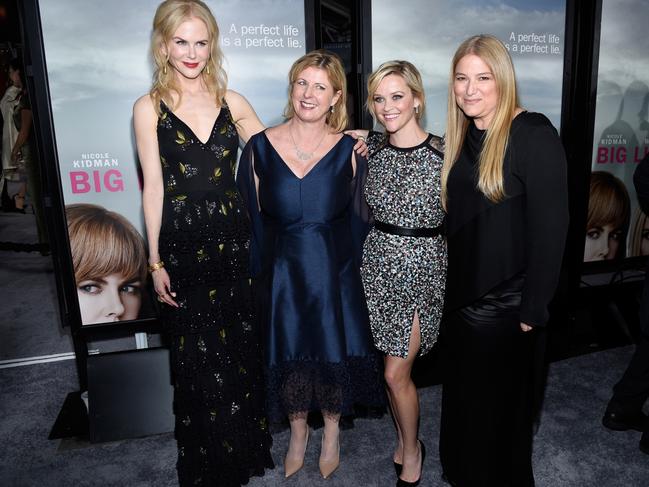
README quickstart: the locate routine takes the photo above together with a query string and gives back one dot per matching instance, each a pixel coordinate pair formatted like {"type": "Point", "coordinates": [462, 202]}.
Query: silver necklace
{"type": "Point", "coordinates": [301, 155]}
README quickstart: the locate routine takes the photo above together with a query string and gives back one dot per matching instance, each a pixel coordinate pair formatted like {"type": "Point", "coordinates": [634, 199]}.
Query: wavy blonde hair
{"type": "Point", "coordinates": [168, 17]}
{"type": "Point", "coordinates": [333, 66]}
{"type": "Point", "coordinates": [490, 173]}
{"type": "Point", "coordinates": [410, 75]}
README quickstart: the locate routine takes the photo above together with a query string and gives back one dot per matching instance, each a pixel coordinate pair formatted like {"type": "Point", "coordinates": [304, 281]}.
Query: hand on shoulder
{"type": "Point", "coordinates": [357, 133]}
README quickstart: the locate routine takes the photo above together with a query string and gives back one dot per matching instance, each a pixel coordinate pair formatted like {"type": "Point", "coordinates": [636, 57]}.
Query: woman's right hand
{"type": "Point", "coordinates": [162, 286]}
{"type": "Point", "coordinates": [361, 140]}
{"type": "Point", "coordinates": [358, 133]}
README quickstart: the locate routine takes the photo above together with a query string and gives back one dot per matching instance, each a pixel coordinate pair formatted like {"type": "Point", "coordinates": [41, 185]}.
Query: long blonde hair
{"type": "Point", "coordinates": [168, 17]}
{"type": "Point", "coordinates": [490, 173]}
{"type": "Point", "coordinates": [333, 66]}
{"type": "Point", "coordinates": [410, 75]}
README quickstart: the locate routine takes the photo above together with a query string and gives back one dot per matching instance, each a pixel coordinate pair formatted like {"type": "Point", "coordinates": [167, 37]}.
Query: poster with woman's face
{"type": "Point", "coordinates": [616, 225]}
{"type": "Point", "coordinates": [110, 264]}
{"type": "Point", "coordinates": [609, 209]}
{"type": "Point", "coordinates": [98, 64]}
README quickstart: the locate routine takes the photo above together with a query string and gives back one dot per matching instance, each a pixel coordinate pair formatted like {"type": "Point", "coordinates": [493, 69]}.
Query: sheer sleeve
{"type": "Point", "coordinates": [361, 218]}
{"type": "Point", "coordinates": [375, 141]}
{"type": "Point", "coordinates": [248, 190]}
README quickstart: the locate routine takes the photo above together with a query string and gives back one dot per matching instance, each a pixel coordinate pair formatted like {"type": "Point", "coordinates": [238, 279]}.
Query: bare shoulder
{"type": "Point", "coordinates": [233, 96]}
{"type": "Point", "coordinates": [281, 128]}
{"type": "Point", "coordinates": [243, 115]}
{"type": "Point", "coordinates": [143, 108]}
{"type": "Point", "coordinates": [237, 102]}
{"type": "Point", "coordinates": [278, 135]}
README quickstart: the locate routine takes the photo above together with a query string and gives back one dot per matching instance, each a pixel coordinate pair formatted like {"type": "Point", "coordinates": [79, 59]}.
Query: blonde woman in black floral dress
{"type": "Point", "coordinates": [404, 256]}
{"type": "Point", "coordinates": [198, 236]}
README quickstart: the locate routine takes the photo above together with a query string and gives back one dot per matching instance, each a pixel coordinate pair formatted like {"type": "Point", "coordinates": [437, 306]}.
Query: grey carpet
{"type": "Point", "coordinates": [571, 447]}
{"type": "Point", "coordinates": [29, 320]}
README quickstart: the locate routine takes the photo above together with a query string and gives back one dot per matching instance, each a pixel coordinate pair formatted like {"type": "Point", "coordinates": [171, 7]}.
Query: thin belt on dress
{"type": "Point", "coordinates": [409, 232]}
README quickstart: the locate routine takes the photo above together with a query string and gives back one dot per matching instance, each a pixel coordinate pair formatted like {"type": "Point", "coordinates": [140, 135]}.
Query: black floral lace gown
{"type": "Point", "coordinates": [221, 427]}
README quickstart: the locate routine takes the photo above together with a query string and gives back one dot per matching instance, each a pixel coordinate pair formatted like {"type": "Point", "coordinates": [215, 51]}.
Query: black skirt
{"type": "Point", "coordinates": [488, 392]}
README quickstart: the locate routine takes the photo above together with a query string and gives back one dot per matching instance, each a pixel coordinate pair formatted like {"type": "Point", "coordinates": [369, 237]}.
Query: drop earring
{"type": "Point", "coordinates": [164, 69]}
{"type": "Point", "coordinates": [207, 70]}
{"type": "Point", "coordinates": [417, 110]}
{"type": "Point", "coordinates": [331, 109]}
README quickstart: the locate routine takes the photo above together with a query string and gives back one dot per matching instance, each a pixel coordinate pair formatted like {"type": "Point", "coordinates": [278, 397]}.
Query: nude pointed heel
{"type": "Point", "coordinates": [328, 467]}
{"type": "Point", "coordinates": [293, 465]}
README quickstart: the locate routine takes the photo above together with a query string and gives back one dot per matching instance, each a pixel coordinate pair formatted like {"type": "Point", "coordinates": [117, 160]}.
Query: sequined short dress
{"type": "Point", "coordinates": [221, 427]}
{"type": "Point", "coordinates": [401, 274]}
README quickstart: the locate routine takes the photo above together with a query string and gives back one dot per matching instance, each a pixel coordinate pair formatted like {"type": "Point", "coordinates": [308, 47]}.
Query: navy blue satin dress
{"type": "Point", "coordinates": [306, 248]}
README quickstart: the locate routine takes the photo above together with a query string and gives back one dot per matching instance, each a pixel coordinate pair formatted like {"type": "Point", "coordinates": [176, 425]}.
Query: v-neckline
{"type": "Point", "coordinates": [313, 168]}
{"type": "Point", "coordinates": [209, 137]}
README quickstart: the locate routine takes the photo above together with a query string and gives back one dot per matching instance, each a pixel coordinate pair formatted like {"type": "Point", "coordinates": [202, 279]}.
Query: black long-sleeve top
{"type": "Point", "coordinates": [524, 234]}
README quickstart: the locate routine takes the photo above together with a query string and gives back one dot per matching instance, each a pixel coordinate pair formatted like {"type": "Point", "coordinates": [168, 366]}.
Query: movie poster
{"type": "Point", "coordinates": [616, 226]}
{"type": "Point", "coordinates": [98, 63]}
{"type": "Point", "coordinates": [427, 33]}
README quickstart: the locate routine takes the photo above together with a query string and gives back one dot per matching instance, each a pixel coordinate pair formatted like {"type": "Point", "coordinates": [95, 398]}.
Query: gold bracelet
{"type": "Point", "coordinates": [156, 266]}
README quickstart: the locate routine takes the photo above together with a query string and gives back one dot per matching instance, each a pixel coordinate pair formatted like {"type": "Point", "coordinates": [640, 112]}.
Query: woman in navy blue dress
{"type": "Point", "coordinates": [303, 184]}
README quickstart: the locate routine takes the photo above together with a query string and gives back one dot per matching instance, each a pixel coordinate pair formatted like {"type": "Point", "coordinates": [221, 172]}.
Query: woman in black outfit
{"type": "Point", "coordinates": [187, 130]}
{"type": "Point", "coordinates": [504, 187]}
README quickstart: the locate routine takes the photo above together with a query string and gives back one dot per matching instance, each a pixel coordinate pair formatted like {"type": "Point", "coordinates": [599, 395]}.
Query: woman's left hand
{"type": "Point", "coordinates": [526, 327]}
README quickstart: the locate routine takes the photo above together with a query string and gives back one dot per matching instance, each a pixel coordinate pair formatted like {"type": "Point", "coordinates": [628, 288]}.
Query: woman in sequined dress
{"type": "Point", "coordinates": [198, 236]}
{"type": "Point", "coordinates": [404, 257]}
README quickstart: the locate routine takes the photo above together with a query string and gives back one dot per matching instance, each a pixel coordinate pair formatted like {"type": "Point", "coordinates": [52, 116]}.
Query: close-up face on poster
{"type": "Point", "coordinates": [532, 31]}
{"type": "Point", "coordinates": [616, 226]}
{"type": "Point", "coordinates": [98, 64]}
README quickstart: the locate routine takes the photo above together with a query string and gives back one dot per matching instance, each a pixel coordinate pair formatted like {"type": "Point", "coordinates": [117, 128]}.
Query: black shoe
{"type": "Point", "coordinates": [397, 468]}
{"type": "Point", "coordinates": [644, 442]}
{"type": "Point", "coordinates": [404, 483]}
{"type": "Point", "coordinates": [617, 421]}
